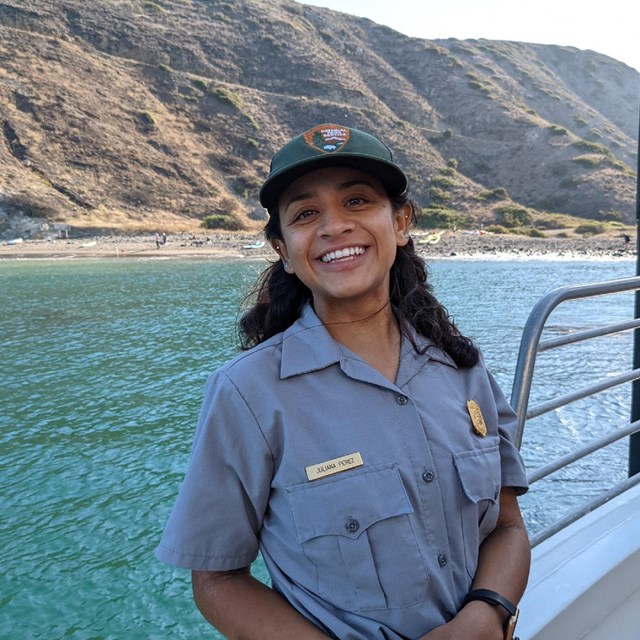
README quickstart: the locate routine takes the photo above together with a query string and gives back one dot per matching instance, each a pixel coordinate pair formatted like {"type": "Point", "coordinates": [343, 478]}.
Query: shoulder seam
{"type": "Point", "coordinates": [250, 410]}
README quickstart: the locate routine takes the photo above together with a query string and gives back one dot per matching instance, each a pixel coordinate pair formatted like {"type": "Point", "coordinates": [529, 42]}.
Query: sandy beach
{"type": "Point", "coordinates": [231, 246]}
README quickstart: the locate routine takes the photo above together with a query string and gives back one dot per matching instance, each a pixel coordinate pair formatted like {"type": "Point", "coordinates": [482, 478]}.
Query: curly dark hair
{"type": "Point", "coordinates": [280, 296]}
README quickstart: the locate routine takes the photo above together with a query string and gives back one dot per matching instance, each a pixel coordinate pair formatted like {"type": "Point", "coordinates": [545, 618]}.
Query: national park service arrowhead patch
{"type": "Point", "coordinates": [327, 138]}
{"type": "Point", "coordinates": [477, 420]}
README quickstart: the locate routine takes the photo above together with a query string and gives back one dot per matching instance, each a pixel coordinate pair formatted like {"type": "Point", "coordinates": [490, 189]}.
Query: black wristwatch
{"type": "Point", "coordinates": [495, 599]}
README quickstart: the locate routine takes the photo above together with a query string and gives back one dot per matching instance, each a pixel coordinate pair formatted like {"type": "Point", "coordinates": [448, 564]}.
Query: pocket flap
{"type": "Point", "coordinates": [479, 473]}
{"type": "Point", "coordinates": [347, 506]}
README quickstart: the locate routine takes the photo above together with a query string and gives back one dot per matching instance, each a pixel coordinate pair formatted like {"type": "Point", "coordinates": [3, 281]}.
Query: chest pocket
{"type": "Point", "coordinates": [356, 531]}
{"type": "Point", "coordinates": [480, 482]}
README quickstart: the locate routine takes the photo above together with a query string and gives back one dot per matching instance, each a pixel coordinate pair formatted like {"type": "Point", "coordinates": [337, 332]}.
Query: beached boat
{"type": "Point", "coordinates": [432, 238]}
{"type": "Point", "coordinates": [255, 245]}
{"type": "Point", "coordinates": [585, 574]}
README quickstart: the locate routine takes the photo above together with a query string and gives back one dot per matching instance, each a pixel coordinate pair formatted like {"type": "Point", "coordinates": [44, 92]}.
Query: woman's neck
{"type": "Point", "coordinates": [374, 335]}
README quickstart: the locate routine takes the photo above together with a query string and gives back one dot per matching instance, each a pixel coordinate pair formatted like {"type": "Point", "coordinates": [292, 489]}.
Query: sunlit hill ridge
{"type": "Point", "coordinates": [120, 114]}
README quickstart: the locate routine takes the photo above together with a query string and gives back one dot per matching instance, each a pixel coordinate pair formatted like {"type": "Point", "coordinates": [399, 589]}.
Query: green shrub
{"type": "Point", "coordinates": [152, 6]}
{"type": "Point", "coordinates": [228, 97]}
{"type": "Point", "coordinates": [610, 216]}
{"type": "Point", "coordinates": [562, 234]}
{"type": "Point", "coordinates": [548, 222]}
{"type": "Point", "coordinates": [200, 84]}
{"type": "Point", "coordinates": [442, 182]}
{"type": "Point", "coordinates": [221, 221]}
{"type": "Point", "coordinates": [253, 122]}
{"type": "Point", "coordinates": [439, 195]}
{"type": "Point", "coordinates": [557, 130]}
{"type": "Point", "coordinates": [533, 233]}
{"type": "Point", "coordinates": [510, 215]}
{"type": "Point", "coordinates": [618, 164]}
{"type": "Point", "coordinates": [489, 195]}
{"type": "Point", "coordinates": [147, 119]}
{"type": "Point", "coordinates": [438, 217]}
{"type": "Point", "coordinates": [497, 228]}
{"type": "Point", "coordinates": [590, 229]}
{"type": "Point", "coordinates": [480, 86]}
{"type": "Point", "coordinates": [592, 147]}
{"type": "Point", "coordinates": [447, 171]}
{"type": "Point", "coordinates": [588, 161]}
{"type": "Point", "coordinates": [452, 163]}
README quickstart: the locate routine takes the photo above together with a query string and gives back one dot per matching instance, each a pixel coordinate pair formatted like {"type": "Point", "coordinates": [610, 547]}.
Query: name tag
{"type": "Point", "coordinates": [328, 468]}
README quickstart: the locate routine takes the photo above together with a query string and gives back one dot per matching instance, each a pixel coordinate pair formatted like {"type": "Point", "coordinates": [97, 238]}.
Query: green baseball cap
{"type": "Point", "coordinates": [331, 145]}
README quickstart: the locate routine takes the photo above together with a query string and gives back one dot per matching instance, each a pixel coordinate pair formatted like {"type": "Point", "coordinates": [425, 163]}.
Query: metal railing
{"type": "Point", "coordinates": [530, 346]}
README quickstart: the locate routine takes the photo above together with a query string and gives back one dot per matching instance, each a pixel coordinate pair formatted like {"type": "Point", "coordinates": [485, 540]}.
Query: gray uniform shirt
{"type": "Point", "coordinates": [368, 499]}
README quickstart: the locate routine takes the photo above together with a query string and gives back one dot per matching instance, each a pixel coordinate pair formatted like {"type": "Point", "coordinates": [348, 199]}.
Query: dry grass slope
{"type": "Point", "coordinates": [129, 114]}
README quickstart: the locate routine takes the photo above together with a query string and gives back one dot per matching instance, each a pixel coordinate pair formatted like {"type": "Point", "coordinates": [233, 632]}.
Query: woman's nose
{"type": "Point", "coordinates": [335, 221]}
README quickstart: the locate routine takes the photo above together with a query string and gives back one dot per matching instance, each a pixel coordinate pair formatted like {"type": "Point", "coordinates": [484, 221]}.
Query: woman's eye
{"type": "Point", "coordinates": [303, 215]}
{"type": "Point", "coordinates": [355, 201]}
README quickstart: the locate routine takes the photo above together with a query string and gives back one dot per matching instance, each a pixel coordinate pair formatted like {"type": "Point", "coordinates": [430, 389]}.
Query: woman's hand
{"type": "Point", "coordinates": [476, 621]}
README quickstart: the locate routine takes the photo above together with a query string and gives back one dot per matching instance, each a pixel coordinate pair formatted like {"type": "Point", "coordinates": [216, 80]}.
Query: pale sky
{"type": "Point", "coordinates": [611, 27]}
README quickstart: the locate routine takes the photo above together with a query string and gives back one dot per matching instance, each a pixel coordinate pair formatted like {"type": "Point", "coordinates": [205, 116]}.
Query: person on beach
{"type": "Point", "coordinates": [358, 442]}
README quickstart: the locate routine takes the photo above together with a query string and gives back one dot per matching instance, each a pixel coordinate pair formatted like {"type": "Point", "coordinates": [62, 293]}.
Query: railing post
{"type": "Point", "coordinates": [634, 440]}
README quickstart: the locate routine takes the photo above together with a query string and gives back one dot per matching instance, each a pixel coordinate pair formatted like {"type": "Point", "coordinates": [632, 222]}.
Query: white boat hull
{"type": "Point", "coordinates": [585, 580]}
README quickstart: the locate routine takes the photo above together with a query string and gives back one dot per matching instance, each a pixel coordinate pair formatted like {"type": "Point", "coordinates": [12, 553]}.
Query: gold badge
{"type": "Point", "coordinates": [477, 420]}
{"type": "Point", "coordinates": [328, 468]}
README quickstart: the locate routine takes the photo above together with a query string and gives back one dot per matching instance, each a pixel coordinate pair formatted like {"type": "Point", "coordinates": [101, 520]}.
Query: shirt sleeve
{"type": "Point", "coordinates": [218, 513]}
{"type": "Point", "coordinates": [513, 470]}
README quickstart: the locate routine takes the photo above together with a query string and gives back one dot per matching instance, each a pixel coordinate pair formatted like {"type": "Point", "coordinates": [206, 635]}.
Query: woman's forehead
{"type": "Point", "coordinates": [329, 177]}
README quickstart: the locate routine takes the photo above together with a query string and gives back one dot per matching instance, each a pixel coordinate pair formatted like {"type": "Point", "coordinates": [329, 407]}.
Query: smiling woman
{"type": "Point", "coordinates": [340, 233]}
{"type": "Point", "coordinates": [359, 442]}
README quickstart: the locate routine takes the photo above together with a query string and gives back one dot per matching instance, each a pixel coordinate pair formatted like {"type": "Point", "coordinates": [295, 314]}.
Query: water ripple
{"type": "Point", "coordinates": [102, 369]}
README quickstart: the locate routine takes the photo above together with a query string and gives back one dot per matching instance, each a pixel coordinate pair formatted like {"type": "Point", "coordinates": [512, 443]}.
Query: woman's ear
{"type": "Point", "coordinates": [280, 248]}
{"type": "Point", "coordinates": [402, 222]}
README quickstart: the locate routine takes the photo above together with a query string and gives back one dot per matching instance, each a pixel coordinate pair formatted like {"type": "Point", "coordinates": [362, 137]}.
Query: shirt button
{"type": "Point", "coordinates": [402, 399]}
{"type": "Point", "coordinates": [442, 560]}
{"type": "Point", "coordinates": [352, 526]}
{"type": "Point", "coordinates": [427, 476]}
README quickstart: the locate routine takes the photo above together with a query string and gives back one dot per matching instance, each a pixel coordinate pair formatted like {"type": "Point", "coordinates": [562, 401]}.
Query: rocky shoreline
{"type": "Point", "coordinates": [231, 246]}
{"type": "Point", "coordinates": [512, 246]}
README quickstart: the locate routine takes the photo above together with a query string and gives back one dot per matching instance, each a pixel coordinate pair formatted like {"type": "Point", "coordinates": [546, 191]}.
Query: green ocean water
{"type": "Point", "coordinates": [101, 373]}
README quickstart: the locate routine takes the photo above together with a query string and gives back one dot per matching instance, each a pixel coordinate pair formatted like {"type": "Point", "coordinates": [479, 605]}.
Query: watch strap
{"type": "Point", "coordinates": [492, 597]}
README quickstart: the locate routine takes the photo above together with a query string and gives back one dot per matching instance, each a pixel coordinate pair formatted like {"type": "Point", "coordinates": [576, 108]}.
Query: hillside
{"type": "Point", "coordinates": [130, 114]}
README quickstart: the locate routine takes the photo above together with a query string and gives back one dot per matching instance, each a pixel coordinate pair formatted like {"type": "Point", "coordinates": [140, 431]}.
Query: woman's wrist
{"type": "Point", "coordinates": [478, 615]}
{"type": "Point", "coordinates": [499, 602]}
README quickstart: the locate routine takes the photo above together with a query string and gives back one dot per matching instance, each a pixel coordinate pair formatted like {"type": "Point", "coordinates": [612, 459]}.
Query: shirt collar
{"type": "Point", "coordinates": [308, 346]}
